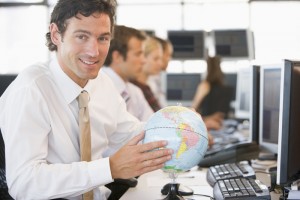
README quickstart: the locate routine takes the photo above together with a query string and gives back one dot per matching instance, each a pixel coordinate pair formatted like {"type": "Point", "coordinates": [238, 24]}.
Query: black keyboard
{"type": "Point", "coordinates": [230, 153]}
{"type": "Point", "coordinates": [230, 170]}
{"type": "Point", "coordinates": [240, 188]}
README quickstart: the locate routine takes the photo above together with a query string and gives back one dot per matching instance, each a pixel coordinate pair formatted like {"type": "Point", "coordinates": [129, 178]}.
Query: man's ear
{"type": "Point", "coordinates": [54, 33]}
{"type": "Point", "coordinates": [117, 56]}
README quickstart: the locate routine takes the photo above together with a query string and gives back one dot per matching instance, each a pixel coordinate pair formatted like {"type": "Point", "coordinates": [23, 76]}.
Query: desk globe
{"type": "Point", "coordinates": [186, 134]}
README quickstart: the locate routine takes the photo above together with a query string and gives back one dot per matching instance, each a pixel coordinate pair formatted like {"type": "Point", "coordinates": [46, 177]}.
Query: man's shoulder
{"type": "Point", "coordinates": [32, 73]}
{"type": "Point", "coordinates": [36, 69]}
{"type": "Point", "coordinates": [132, 87]}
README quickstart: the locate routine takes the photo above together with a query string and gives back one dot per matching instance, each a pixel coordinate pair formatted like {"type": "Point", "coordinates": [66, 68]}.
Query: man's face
{"type": "Point", "coordinates": [154, 62]}
{"type": "Point", "coordinates": [132, 64]}
{"type": "Point", "coordinates": [82, 49]}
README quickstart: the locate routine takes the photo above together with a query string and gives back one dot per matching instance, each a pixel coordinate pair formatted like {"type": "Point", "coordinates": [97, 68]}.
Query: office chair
{"type": "Point", "coordinates": [4, 195]}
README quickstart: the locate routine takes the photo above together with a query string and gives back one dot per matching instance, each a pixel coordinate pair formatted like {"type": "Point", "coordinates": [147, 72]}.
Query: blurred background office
{"type": "Point", "coordinates": [267, 32]}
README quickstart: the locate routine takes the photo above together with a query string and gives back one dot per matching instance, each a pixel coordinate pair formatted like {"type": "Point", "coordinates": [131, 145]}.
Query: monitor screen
{"type": "Point", "coordinates": [269, 108]}
{"type": "Point", "coordinates": [230, 80]}
{"type": "Point", "coordinates": [288, 164]}
{"type": "Point", "coordinates": [181, 88]}
{"type": "Point", "coordinates": [242, 106]}
{"type": "Point", "coordinates": [187, 44]}
{"type": "Point", "coordinates": [5, 81]}
{"type": "Point", "coordinates": [234, 43]}
{"type": "Point", "coordinates": [254, 103]}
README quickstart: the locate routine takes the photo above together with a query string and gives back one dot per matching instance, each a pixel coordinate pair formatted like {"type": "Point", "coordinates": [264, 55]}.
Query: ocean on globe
{"type": "Point", "coordinates": [185, 132]}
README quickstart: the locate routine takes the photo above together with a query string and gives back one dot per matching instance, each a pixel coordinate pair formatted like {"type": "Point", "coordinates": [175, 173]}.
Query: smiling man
{"type": "Point", "coordinates": [40, 113]}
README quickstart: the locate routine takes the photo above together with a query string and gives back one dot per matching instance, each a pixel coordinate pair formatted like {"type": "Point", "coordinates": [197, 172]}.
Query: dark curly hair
{"type": "Point", "coordinates": [66, 9]}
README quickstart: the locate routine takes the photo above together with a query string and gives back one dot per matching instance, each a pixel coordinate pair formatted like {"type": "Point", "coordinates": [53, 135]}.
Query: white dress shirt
{"type": "Point", "coordinates": [157, 83]}
{"type": "Point", "coordinates": [39, 123]}
{"type": "Point", "coordinates": [137, 105]}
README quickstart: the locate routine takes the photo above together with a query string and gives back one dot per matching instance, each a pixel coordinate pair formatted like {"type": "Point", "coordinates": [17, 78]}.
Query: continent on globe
{"type": "Point", "coordinates": [185, 132]}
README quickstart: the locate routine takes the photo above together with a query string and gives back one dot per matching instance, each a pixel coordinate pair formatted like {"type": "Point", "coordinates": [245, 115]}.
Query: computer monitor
{"type": "Point", "coordinates": [269, 109]}
{"type": "Point", "coordinates": [230, 80]}
{"type": "Point", "coordinates": [181, 88]}
{"type": "Point", "coordinates": [187, 44]}
{"type": "Point", "coordinates": [242, 105]}
{"type": "Point", "coordinates": [5, 81]}
{"type": "Point", "coordinates": [288, 164]}
{"type": "Point", "coordinates": [254, 103]}
{"type": "Point", "coordinates": [235, 43]}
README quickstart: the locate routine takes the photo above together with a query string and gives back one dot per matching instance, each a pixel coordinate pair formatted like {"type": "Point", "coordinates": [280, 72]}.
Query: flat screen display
{"type": "Point", "coordinates": [187, 44]}
{"type": "Point", "coordinates": [234, 43]}
{"type": "Point", "coordinates": [269, 107]}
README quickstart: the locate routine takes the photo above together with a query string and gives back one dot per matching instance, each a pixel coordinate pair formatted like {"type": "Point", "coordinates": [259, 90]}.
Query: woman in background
{"type": "Point", "coordinates": [212, 95]}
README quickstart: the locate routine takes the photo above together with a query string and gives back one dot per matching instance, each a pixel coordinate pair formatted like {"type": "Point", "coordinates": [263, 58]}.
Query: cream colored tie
{"type": "Point", "coordinates": [85, 133]}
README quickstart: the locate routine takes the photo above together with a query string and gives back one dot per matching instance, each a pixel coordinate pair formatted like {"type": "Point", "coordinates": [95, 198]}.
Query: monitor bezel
{"type": "Point", "coordinates": [198, 53]}
{"type": "Point", "coordinates": [283, 166]}
{"type": "Point", "coordinates": [254, 103]}
{"type": "Point", "coordinates": [266, 146]}
{"type": "Point", "coordinates": [249, 39]}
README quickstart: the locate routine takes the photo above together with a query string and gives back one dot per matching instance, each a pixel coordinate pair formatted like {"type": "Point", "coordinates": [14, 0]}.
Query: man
{"type": "Point", "coordinates": [39, 114]}
{"type": "Point", "coordinates": [124, 62]}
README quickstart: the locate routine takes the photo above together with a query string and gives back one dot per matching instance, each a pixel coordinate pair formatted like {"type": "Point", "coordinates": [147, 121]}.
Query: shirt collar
{"type": "Point", "coordinates": [118, 81]}
{"type": "Point", "coordinates": [69, 89]}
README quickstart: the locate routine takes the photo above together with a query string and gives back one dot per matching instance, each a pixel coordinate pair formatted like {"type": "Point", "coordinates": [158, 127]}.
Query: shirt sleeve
{"type": "Point", "coordinates": [26, 129]}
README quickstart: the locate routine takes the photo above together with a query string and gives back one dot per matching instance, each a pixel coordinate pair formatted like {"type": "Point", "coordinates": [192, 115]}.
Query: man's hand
{"type": "Point", "coordinates": [135, 159]}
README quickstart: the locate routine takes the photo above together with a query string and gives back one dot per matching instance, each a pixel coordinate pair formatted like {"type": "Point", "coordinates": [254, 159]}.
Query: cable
{"type": "Point", "coordinates": [262, 172]}
{"type": "Point", "coordinates": [204, 195]}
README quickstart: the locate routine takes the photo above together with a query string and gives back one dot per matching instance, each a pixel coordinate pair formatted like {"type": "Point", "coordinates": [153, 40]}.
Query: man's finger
{"type": "Point", "coordinates": [135, 140]}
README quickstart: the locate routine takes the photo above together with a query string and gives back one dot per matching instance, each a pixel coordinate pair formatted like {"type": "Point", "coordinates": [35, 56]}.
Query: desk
{"type": "Point", "coordinates": [150, 184]}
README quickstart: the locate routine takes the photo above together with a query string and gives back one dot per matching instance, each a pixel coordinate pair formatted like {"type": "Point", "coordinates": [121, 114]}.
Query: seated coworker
{"type": "Point", "coordinates": [39, 114]}
{"type": "Point", "coordinates": [152, 66]}
{"type": "Point", "coordinates": [213, 95]}
{"type": "Point", "coordinates": [124, 62]}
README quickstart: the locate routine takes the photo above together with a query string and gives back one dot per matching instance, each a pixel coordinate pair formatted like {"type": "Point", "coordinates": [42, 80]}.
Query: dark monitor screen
{"type": "Point", "coordinates": [187, 44]}
{"type": "Point", "coordinates": [288, 164]}
{"type": "Point", "coordinates": [269, 107]}
{"type": "Point", "coordinates": [230, 80]}
{"type": "Point", "coordinates": [254, 103]}
{"type": "Point", "coordinates": [234, 43]}
{"type": "Point", "coordinates": [5, 81]}
{"type": "Point", "coordinates": [182, 87]}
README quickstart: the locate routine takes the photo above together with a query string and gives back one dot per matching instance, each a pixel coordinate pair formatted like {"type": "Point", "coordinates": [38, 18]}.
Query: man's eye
{"type": "Point", "coordinates": [104, 39]}
{"type": "Point", "coordinates": [82, 37]}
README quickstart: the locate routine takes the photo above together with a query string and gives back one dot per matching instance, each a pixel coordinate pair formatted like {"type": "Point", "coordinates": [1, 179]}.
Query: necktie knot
{"type": "Point", "coordinates": [125, 95]}
{"type": "Point", "coordinates": [83, 99]}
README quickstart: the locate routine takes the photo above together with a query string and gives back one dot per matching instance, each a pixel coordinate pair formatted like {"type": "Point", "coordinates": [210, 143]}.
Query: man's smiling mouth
{"type": "Point", "coordinates": [88, 62]}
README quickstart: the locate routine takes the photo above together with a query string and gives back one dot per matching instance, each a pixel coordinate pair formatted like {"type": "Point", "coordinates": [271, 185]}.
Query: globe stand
{"type": "Point", "coordinates": [173, 193]}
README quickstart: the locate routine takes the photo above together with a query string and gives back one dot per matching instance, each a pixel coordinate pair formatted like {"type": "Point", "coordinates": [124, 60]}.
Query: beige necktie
{"type": "Point", "coordinates": [85, 133]}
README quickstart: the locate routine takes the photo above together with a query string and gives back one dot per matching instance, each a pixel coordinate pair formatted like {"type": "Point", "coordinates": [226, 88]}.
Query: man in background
{"type": "Point", "coordinates": [123, 63]}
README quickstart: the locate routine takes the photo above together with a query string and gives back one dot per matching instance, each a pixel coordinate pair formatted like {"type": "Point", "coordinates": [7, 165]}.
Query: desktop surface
{"type": "Point", "coordinates": [150, 185]}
